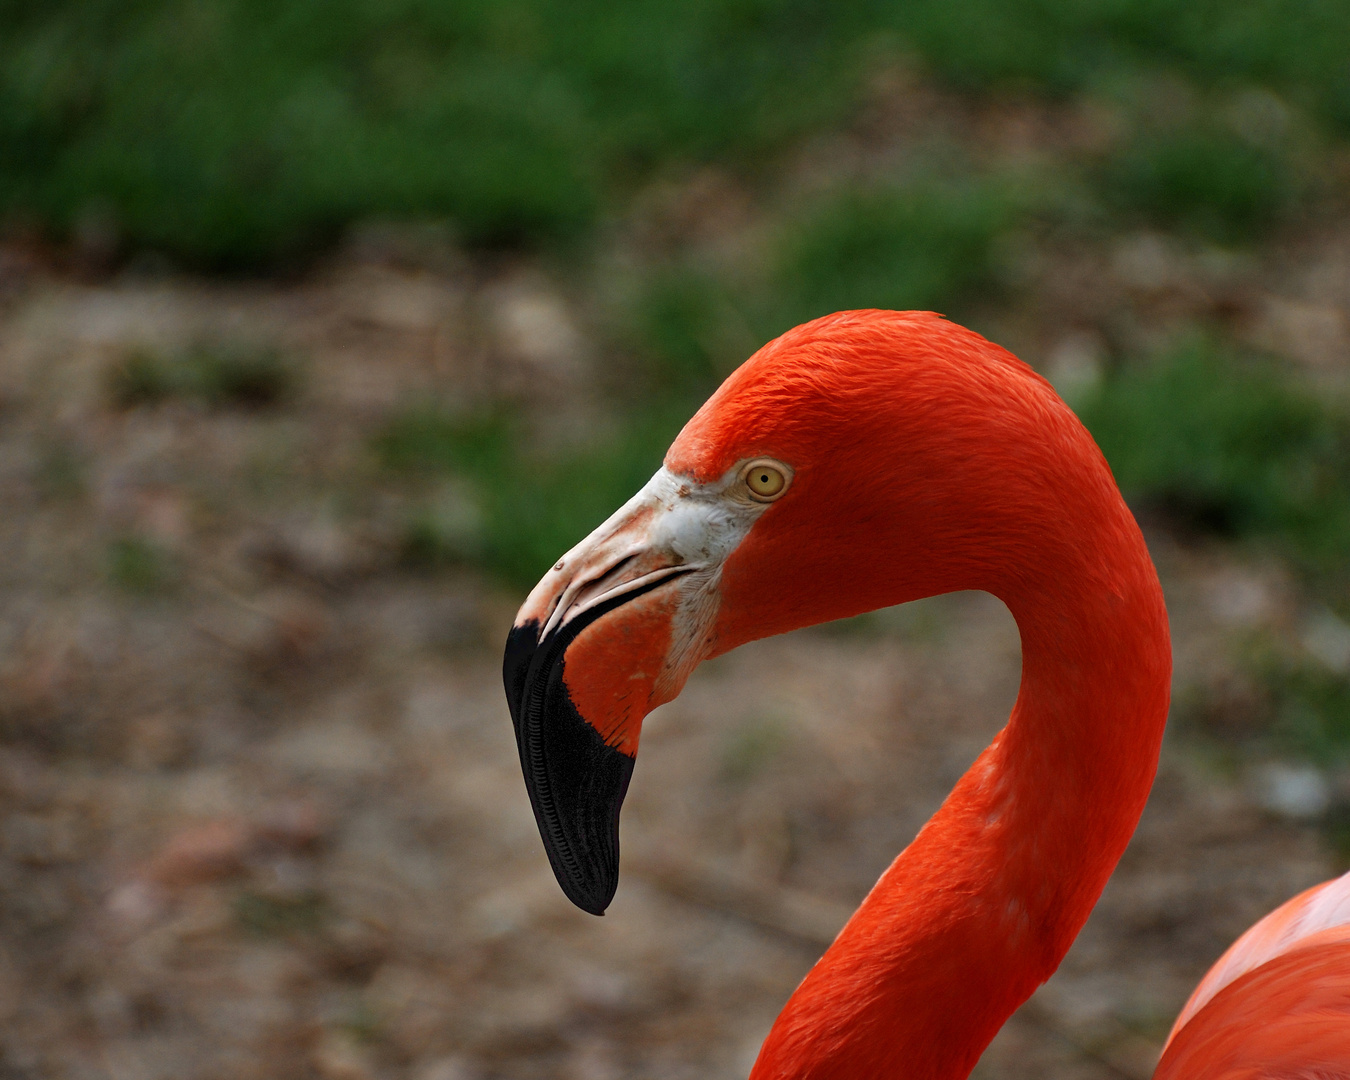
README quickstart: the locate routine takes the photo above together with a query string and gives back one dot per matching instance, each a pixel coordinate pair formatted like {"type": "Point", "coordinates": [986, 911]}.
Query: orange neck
{"type": "Point", "coordinates": [979, 910]}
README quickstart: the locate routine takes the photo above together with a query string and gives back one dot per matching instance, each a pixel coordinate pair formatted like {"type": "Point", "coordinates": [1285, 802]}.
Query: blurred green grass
{"type": "Point", "coordinates": [1231, 446]}
{"type": "Point", "coordinates": [923, 245]}
{"type": "Point", "coordinates": [1285, 702]}
{"type": "Point", "coordinates": [139, 566]}
{"type": "Point", "coordinates": [236, 133]}
{"type": "Point", "coordinates": [233, 132]}
{"type": "Point", "coordinates": [261, 915]}
{"type": "Point", "coordinates": [530, 504]}
{"type": "Point", "coordinates": [215, 374]}
{"type": "Point", "coordinates": [1204, 179]}
{"type": "Point", "coordinates": [1310, 711]}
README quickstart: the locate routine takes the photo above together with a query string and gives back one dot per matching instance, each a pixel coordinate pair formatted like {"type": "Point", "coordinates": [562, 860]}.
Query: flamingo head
{"type": "Point", "coordinates": [859, 461]}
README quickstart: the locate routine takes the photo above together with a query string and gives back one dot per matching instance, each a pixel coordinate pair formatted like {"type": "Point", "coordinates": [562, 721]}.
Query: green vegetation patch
{"type": "Point", "coordinates": [236, 133]}
{"type": "Point", "coordinates": [139, 566]}
{"type": "Point", "coordinates": [233, 132]}
{"type": "Point", "coordinates": [1225, 445]}
{"type": "Point", "coordinates": [264, 915]}
{"type": "Point", "coordinates": [60, 471]}
{"type": "Point", "coordinates": [1284, 703]}
{"type": "Point", "coordinates": [445, 529]}
{"type": "Point", "coordinates": [751, 748]}
{"type": "Point", "coordinates": [689, 330]}
{"type": "Point", "coordinates": [1297, 47]}
{"type": "Point", "coordinates": [1311, 711]}
{"type": "Point", "coordinates": [900, 248]}
{"type": "Point", "coordinates": [1206, 180]}
{"type": "Point", "coordinates": [223, 375]}
{"type": "Point", "coordinates": [916, 246]}
{"type": "Point", "coordinates": [531, 504]}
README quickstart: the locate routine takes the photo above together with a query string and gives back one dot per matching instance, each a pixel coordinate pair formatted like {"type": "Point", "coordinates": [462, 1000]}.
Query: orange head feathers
{"type": "Point", "coordinates": [926, 460]}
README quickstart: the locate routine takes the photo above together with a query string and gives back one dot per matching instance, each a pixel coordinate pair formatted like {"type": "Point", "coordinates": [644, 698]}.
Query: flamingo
{"type": "Point", "coordinates": [862, 460]}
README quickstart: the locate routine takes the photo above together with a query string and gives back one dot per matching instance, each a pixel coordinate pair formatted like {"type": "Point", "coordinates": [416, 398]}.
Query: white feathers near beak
{"type": "Point", "coordinates": [674, 527]}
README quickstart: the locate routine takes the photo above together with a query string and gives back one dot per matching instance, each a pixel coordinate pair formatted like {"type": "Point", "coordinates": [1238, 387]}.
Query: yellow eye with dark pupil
{"type": "Point", "coordinates": [765, 481]}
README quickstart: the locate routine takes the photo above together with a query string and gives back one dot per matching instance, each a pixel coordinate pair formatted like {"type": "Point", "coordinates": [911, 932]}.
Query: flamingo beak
{"type": "Point", "coordinates": [584, 663]}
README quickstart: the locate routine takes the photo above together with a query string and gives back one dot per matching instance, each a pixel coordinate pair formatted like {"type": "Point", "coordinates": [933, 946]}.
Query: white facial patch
{"type": "Point", "coordinates": [674, 527]}
{"type": "Point", "coordinates": [701, 525]}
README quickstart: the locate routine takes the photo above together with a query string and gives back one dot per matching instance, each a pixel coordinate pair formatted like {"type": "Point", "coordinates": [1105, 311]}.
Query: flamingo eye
{"type": "Point", "coordinates": [766, 480]}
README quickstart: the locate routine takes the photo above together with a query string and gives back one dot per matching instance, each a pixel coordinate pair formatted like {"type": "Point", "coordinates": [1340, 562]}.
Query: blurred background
{"type": "Point", "coordinates": [325, 328]}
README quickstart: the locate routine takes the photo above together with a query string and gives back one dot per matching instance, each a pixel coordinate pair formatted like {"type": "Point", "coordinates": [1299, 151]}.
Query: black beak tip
{"type": "Point", "coordinates": [593, 897]}
{"type": "Point", "coordinates": [576, 782]}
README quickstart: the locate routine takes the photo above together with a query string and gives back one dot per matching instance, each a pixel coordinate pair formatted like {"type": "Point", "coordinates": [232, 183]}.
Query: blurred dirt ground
{"type": "Point", "coordinates": [262, 815]}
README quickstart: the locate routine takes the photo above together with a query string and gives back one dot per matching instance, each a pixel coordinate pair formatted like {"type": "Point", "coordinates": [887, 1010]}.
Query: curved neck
{"type": "Point", "coordinates": [979, 910]}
